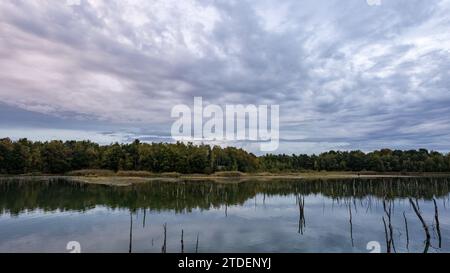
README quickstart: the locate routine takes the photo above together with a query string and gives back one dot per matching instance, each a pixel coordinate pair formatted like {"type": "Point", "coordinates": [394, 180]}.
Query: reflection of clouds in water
{"type": "Point", "coordinates": [265, 228]}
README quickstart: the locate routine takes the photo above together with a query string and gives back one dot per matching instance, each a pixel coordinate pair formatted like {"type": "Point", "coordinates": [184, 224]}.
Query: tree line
{"type": "Point", "coordinates": [58, 157]}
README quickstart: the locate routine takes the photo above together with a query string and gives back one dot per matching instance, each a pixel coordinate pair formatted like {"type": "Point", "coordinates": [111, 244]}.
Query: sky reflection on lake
{"type": "Point", "coordinates": [235, 217]}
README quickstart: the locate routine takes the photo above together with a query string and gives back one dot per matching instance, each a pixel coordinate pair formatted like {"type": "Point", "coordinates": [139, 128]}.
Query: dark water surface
{"type": "Point", "coordinates": [346, 215]}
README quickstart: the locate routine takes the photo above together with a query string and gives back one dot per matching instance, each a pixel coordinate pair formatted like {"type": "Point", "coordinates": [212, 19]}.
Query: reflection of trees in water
{"type": "Point", "coordinates": [52, 194]}
{"type": "Point", "coordinates": [49, 195]}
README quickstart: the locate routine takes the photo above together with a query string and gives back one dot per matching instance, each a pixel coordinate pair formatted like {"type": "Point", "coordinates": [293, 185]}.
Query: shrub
{"type": "Point", "coordinates": [91, 172]}
{"type": "Point", "coordinates": [135, 174]}
{"type": "Point", "coordinates": [170, 174]}
{"type": "Point", "coordinates": [229, 174]}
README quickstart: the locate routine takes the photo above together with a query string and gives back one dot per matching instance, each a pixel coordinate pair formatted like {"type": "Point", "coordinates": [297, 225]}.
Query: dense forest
{"type": "Point", "coordinates": [58, 157]}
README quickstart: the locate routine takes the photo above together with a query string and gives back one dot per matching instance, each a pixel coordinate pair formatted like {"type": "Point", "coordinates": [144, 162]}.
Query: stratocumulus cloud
{"type": "Point", "coordinates": [346, 74]}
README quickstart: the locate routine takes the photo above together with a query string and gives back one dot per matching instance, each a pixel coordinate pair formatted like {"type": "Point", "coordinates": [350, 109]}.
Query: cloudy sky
{"type": "Point", "coordinates": [354, 74]}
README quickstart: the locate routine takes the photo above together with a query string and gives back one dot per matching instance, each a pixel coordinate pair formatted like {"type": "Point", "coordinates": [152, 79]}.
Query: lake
{"type": "Point", "coordinates": [334, 215]}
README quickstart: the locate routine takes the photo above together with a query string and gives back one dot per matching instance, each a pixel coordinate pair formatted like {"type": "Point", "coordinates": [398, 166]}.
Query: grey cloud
{"type": "Point", "coordinates": [346, 75]}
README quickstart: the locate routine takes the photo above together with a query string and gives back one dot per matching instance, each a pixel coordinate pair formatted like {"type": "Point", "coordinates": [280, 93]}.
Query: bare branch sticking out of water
{"type": "Point", "coordinates": [130, 246]}
{"type": "Point", "coordinates": [436, 219]}
{"type": "Point", "coordinates": [301, 208]}
{"type": "Point", "coordinates": [182, 241]}
{"type": "Point", "coordinates": [388, 241]}
{"type": "Point", "coordinates": [164, 247]}
{"type": "Point", "coordinates": [425, 227]}
{"type": "Point", "coordinates": [388, 212]}
{"type": "Point", "coordinates": [351, 223]}
{"type": "Point", "coordinates": [407, 231]}
{"type": "Point", "coordinates": [226, 204]}
{"type": "Point", "coordinates": [143, 221]}
{"type": "Point", "coordinates": [196, 244]}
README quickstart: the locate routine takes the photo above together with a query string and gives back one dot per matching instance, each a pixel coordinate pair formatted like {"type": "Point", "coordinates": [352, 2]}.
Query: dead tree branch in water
{"type": "Point", "coordinates": [143, 221]}
{"type": "Point", "coordinates": [388, 241]}
{"type": "Point", "coordinates": [226, 204]}
{"type": "Point", "coordinates": [301, 208]}
{"type": "Point", "coordinates": [196, 244]}
{"type": "Point", "coordinates": [351, 223]}
{"type": "Point", "coordinates": [436, 218]}
{"type": "Point", "coordinates": [130, 247]}
{"type": "Point", "coordinates": [425, 227]}
{"type": "Point", "coordinates": [164, 247]}
{"type": "Point", "coordinates": [388, 212]}
{"type": "Point", "coordinates": [407, 231]}
{"type": "Point", "coordinates": [182, 241]}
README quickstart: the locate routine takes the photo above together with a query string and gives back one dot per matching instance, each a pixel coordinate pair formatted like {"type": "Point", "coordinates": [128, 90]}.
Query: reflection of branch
{"type": "Point", "coordinates": [369, 204]}
{"type": "Point", "coordinates": [164, 247]}
{"type": "Point", "coordinates": [388, 241]}
{"type": "Point", "coordinates": [196, 245]}
{"type": "Point", "coordinates": [388, 212]}
{"type": "Point", "coordinates": [301, 208]}
{"type": "Point", "coordinates": [407, 232]}
{"type": "Point", "coordinates": [425, 227]}
{"type": "Point", "coordinates": [436, 218]}
{"type": "Point", "coordinates": [351, 223]}
{"type": "Point", "coordinates": [182, 241]}
{"type": "Point", "coordinates": [130, 247]}
{"type": "Point", "coordinates": [226, 204]}
{"type": "Point", "coordinates": [143, 221]}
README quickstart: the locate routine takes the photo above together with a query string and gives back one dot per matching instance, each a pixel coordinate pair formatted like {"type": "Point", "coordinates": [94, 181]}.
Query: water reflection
{"type": "Point", "coordinates": [403, 215]}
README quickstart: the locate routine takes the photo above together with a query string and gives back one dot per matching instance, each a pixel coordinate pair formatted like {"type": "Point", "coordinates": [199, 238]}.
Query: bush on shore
{"type": "Point", "coordinates": [92, 172]}
{"type": "Point", "coordinates": [135, 174]}
{"type": "Point", "coordinates": [170, 174]}
{"type": "Point", "coordinates": [229, 174]}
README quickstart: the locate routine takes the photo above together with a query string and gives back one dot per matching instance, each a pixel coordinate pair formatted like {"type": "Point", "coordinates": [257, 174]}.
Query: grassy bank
{"type": "Point", "coordinates": [127, 178]}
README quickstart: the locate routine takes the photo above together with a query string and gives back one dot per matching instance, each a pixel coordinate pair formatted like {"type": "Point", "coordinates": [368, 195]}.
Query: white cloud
{"type": "Point", "coordinates": [343, 73]}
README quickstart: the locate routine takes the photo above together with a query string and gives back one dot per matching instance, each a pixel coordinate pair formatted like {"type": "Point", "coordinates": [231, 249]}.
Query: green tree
{"type": "Point", "coordinates": [55, 157]}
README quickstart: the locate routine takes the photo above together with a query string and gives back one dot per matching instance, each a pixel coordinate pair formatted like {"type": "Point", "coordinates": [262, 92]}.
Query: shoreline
{"type": "Point", "coordinates": [124, 181]}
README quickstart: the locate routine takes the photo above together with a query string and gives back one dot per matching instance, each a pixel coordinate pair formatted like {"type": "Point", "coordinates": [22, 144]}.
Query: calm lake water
{"type": "Point", "coordinates": [254, 216]}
